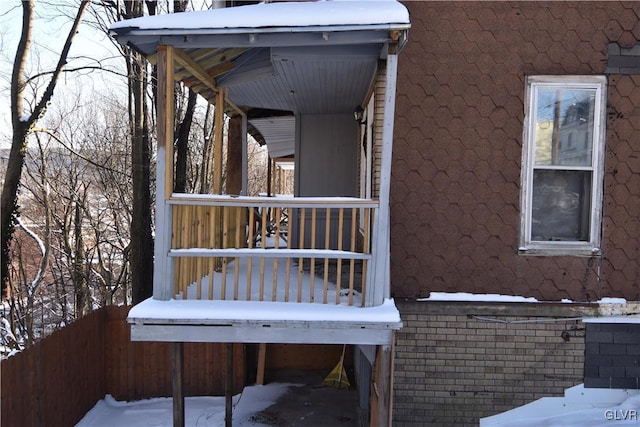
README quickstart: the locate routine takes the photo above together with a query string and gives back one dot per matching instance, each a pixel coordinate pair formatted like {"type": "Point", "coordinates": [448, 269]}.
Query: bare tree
{"type": "Point", "coordinates": [141, 257]}
{"type": "Point", "coordinates": [184, 126]}
{"type": "Point", "coordinates": [72, 250]}
{"type": "Point", "coordinates": [22, 124]}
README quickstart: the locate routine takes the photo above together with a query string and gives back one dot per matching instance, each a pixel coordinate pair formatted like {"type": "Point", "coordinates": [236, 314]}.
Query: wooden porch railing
{"type": "Point", "coordinates": [286, 249]}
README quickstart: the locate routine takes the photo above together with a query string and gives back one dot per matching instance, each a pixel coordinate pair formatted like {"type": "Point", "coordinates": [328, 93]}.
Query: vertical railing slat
{"type": "Point", "coordinates": [352, 267]}
{"type": "Point", "coordinates": [301, 260]}
{"type": "Point", "coordinates": [312, 268]}
{"type": "Point", "coordinates": [252, 226]}
{"type": "Point", "coordinates": [263, 245]}
{"type": "Point", "coordinates": [177, 211]}
{"type": "Point", "coordinates": [185, 244]}
{"type": "Point", "coordinates": [236, 262]}
{"type": "Point", "coordinates": [199, 261]}
{"type": "Point", "coordinates": [288, 261]}
{"type": "Point", "coordinates": [366, 248]}
{"type": "Point", "coordinates": [225, 236]}
{"type": "Point", "coordinates": [274, 285]}
{"type": "Point", "coordinates": [327, 240]}
{"type": "Point", "coordinates": [212, 262]}
{"type": "Point", "coordinates": [339, 263]}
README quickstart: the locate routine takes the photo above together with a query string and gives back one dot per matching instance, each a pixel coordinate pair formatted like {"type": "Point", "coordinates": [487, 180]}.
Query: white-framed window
{"type": "Point", "coordinates": [563, 165]}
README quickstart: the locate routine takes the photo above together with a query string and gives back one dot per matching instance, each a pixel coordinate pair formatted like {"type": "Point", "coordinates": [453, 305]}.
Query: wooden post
{"type": "Point", "coordinates": [163, 270]}
{"type": "Point", "coordinates": [382, 386]}
{"type": "Point", "coordinates": [178, 382]}
{"type": "Point", "coordinates": [262, 354]}
{"type": "Point", "coordinates": [217, 142]}
{"type": "Point", "coordinates": [234, 156]}
{"type": "Point", "coordinates": [228, 388]}
{"type": "Point", "coordinates": [218, 119]}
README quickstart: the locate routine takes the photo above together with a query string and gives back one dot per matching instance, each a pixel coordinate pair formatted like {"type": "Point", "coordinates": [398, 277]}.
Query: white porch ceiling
{"type": "Point", "coordinates": [279, 133]}
{"type": "Point", "coordinates": [296, 57]}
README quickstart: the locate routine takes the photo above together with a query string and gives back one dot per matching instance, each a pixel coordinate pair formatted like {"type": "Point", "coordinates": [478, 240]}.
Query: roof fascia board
{"type": "Point", "coordinates": [147, 43]}
{"type": "Point", "coordinates": [121, 31]}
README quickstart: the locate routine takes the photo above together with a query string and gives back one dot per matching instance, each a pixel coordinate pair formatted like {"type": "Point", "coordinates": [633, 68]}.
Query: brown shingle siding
{"type": "Point", "coordinates": [458, 147]}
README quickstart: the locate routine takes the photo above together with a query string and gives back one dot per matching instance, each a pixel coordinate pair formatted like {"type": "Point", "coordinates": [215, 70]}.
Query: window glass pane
{"type": "Point", "coordinates": [561, 205]}
{"type": "Point", "coordinates": [564, 126]}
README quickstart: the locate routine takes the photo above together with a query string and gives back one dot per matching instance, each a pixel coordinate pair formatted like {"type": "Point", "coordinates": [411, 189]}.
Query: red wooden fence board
{"type": "Point", "coordinates": [56, 381]}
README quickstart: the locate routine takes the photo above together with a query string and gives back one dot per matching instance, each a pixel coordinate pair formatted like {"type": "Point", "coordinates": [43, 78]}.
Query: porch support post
{"type": "Point", "coordinates": [218, 120]}
{"type": "Point", "coordinates": [234, 156]}
{"type": "Point", "coordinates": [178, 383]}
{"type": "Point", "coordinates": [217, 142]}
{"type": "Point", "coordinates": [245, 152]}
{"type": "Point", "coordinates": [228, 388]}
{"type": "Point", "coordinates": [379, 288]}
{"type": "Point", "coordinates": [163, 270]}
{"type": "Point", "coordinates": [245, 158]}
{"type": "Point", "coordinates": [382, 390]}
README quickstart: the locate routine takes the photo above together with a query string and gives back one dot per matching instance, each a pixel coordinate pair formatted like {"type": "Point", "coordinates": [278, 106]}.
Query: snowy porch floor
{"type": "Point", "coordinates": [263, 322]}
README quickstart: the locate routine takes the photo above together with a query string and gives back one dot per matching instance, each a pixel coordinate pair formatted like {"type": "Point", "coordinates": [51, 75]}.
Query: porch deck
{"type": "Point", "coordinates": [263, 322]}
{"type": "Point", "coordinates": [236, 275]}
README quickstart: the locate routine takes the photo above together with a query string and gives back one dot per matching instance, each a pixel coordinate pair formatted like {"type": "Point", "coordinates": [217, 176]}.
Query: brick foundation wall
{"type": "Point", "coordinates": [457, 362]}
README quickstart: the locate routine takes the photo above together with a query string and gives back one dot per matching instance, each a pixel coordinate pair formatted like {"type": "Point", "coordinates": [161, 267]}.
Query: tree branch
{"type": "Point", "coordinates": [72, 70]}
{"type": "Point", "coordinates": [62, 61]}
{"type": "Point", "coordinates": [74, 152]}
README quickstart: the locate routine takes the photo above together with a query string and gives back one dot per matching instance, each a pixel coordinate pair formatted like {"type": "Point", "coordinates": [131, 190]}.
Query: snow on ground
{"type": "Point", "coordinates": [580, 407]}
{"type": "Point", "coordinates": [199, 411]}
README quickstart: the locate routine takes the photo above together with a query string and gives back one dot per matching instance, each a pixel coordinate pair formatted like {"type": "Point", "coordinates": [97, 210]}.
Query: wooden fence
{"type": "Point", "coordinates": [55, 382]}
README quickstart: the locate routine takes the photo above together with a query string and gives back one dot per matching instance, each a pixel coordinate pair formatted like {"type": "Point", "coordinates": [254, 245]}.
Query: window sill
{"type": "Point", "coordinates": [560, 251]}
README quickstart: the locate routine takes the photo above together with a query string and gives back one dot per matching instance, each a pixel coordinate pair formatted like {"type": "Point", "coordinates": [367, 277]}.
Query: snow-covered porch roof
{"type": "Point", "coordinates": [296, 57]}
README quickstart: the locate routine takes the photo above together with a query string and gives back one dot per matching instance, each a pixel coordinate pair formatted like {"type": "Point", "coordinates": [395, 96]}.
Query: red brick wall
{"type": "Point", "coordinates": [455, 187]}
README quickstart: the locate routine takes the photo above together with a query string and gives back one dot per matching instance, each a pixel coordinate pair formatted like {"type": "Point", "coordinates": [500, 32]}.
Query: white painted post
{"type": "Point", "coordinates": [163, 265]}
{"type": "Point", "coordinates": [381, 278]}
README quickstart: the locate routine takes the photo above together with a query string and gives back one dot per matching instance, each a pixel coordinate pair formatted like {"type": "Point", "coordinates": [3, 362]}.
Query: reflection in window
{"type": "Point", "coordinates": [564, 116]}
{"type": "Point", "coordinates": [561, 205]}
